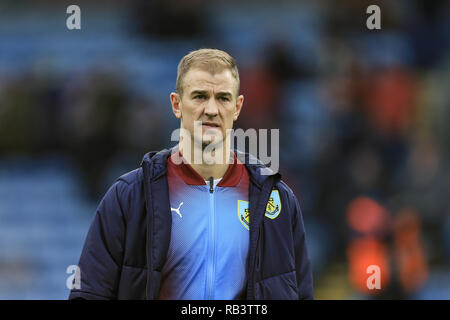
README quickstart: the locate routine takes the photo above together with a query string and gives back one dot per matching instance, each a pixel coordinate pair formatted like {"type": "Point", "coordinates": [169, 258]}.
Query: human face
{"type": "Point", "coordinates": [211, 99]}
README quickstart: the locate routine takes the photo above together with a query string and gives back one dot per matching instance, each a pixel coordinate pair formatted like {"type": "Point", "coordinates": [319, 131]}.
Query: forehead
{"type": "Point", "coordinates": [198, 79]}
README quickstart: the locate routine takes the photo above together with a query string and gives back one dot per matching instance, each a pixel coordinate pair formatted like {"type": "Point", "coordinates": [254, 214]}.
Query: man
{"type": "Point", "coordinates": [179, 228]}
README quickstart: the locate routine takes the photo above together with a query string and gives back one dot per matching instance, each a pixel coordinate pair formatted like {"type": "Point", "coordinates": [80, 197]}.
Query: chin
{"type": "Point", "coordinates": [210, 142]}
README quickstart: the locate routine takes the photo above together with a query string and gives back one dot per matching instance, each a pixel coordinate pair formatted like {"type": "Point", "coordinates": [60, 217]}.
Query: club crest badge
{"type": "Point", "coordinates": [243, 213]}
{"type": "Point", "coordinates": [273, 207]}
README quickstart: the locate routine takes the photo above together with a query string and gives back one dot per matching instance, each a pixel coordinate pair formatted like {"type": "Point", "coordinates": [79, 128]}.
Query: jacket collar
{"type": "Point", "coordinates": [156, 162]}
{"type": "Point", "coordinates": [258, 171]}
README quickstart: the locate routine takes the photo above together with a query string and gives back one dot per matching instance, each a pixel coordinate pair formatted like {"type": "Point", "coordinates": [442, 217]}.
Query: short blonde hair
{"type": "Point", "coordinates": [211, 60]}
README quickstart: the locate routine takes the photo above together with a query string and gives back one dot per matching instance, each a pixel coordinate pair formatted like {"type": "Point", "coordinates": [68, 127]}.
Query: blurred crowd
{"type": "Point", "coordinates": [362, 114]}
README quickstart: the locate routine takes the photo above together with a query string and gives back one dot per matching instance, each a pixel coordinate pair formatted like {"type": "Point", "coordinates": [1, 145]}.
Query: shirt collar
{"type": "Point", "coordinates": [191, 177]}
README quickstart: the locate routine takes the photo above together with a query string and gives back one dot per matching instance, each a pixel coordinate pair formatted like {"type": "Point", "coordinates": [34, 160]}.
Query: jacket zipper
{"type": "Point", "coordinates": [211, 265]}
{"type": "Point", "coordinates": [257, 254]}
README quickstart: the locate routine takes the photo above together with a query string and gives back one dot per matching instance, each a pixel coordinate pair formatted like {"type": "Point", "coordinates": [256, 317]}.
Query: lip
{"type": "Point", "coordinates": [210, 124]}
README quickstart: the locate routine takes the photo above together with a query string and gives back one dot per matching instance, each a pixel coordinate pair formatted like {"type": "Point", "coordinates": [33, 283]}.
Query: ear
{"type": "Point", "coordinates": [175, 100]}
{"type": "Point", "coordinates": [239, 103]}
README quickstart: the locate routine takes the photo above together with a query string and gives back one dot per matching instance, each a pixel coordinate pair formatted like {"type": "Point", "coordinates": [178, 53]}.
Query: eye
{"type": "Point", "coordinates": [225, 99]}
{"type": "Point", "coordinates": [200, 97]}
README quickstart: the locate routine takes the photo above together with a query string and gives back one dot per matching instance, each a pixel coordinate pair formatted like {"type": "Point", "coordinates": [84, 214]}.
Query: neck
{"type": "Point", "coordinates": [198, 158]}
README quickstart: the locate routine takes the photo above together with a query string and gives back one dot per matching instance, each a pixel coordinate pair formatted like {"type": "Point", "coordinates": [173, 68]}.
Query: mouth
{"type": "Point", "coordinates": [209, 125]}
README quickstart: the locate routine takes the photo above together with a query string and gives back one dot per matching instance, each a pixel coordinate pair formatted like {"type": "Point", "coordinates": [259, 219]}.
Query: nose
{"type": "Point", "coordinates": [211, 108]}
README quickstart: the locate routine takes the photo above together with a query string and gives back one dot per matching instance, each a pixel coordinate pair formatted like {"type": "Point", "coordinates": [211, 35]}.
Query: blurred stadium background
{"type": "Point", "coordinates": [363, 118]}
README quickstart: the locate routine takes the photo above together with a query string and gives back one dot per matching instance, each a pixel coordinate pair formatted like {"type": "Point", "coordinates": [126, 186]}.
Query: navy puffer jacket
{"type": "Point", "coordinates": [127, 243]}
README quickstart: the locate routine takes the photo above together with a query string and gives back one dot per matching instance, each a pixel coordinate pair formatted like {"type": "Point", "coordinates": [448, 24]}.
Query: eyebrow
{"type": "Point", "coordinates": [204, 92]}
{"type": "Point", "coordinates": [225, 94]}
